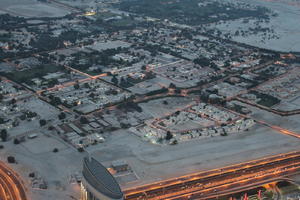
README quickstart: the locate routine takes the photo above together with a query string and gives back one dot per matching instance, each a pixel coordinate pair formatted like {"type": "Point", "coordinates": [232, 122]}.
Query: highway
{"type": "Point", "coordinates": [237, 184]}
{"type": "Point", "coordinates": [11, 187]}
{"type": "Point", "coordinates": [204, 185]}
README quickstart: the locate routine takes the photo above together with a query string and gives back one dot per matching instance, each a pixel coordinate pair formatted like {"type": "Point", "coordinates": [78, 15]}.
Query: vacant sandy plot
{"type": "Point", "coordinates": [154, 162]}
{"type": "Point", "coordinates": [285, 25]}
{"type": "Point", "coordinates": [43, 144]}
{"type": "Point", "coordinates": [31, 8]}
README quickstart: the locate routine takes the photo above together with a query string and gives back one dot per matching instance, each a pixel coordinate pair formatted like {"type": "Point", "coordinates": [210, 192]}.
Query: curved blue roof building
{"type": "Point", "coordinates": [98, 183]}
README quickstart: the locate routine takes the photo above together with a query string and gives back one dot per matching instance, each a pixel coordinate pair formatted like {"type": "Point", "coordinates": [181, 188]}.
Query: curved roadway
{"type": "Point", "coordinates": [11, 187]}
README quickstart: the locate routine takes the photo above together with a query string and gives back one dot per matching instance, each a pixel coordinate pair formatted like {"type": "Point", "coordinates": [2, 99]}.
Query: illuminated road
{"type": "Point", "coordinates": [218, 181]}
{"type": "Point", "coordinates": [10, 186]}
{"type": "Point", "coordinates": [281, 130]}
{"type": "Point", "coordinates": [237, 184]}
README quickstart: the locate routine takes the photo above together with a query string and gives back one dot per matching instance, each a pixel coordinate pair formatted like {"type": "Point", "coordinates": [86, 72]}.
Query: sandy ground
{"type": "Point", "coordinates": [31, 8]}
{"type": "Point", "coordinates": [290, 122]}
{"type": "Point", "coordinates": [286, 26]}
{"type": "Point", "coordinates": [149, 162]}
{"type": "Point", "coordinates": [152, 163]}
{"type": "Point", "coordinates": [156, 107]}
{"type": "Point", "coordinates": [55, 168]}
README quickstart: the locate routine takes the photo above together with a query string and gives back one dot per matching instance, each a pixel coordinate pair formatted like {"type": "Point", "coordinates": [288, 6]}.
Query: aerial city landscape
{"type": "Point", "coordinates": [149, 99]}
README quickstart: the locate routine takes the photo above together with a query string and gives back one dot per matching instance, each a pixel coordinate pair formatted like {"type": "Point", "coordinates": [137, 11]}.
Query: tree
{"type": "Point", "coordinates": [30, 114]}
{"type": "Point", "coordinates": [111, 92]}
{"type": "Point", "coordinates": [46, 42]}
{"type": "Point", "coordinates": [86, 85]}
{"type": "Point", "coordinates": [130, 106]}
{"type": "Point", "coordinates": [23, 117]}
{"type": "Point", "coordinates": [169, 135]}
{"type": "Point", "coordinates": [114, 80]}
{"type": "Point", "coordinates": [15, 123]}
{"type": "Point", "coordinates": [2, 121]}
{"type": "Point", "coordinates": [92, 95]}
{"type": "Point", "coordinates": [62, 116]}
{"type": "Point", "coordinates": [124, 83]}
{"type": "Point", "coordinates": [16, 141]}
{"type": "Point", "coordinates": [202, 61]}
{"type": "Point", "coordinates": [224, 133]}
{"type": "Point", "coordinates": [172, 85]}
{"type": "Point", "coordinates": [204, 97]}
{"type": "Point", "coordinates": [83, 120]}
{"type": "Point", "coordinates": [31, 175]}
{"type": "Point", "coordinates": [174, 142]}
{"type": "Point", "coordinates": [55, 150]}
{"type": "Point", "coordinates": [124, 125]}
{"type": "Point", "coordinates": [177, 91]}
{"type": "Point", "coordinates": [76, 86]}
{"type": "Point", "coordinates": [3, 135]}
{"type": "Point", "coordinates": [43, 122]}
{"type": "Point", "coordinates": [52, 82]}
{"type": "Point", "coordinates": [11, 159]}
{"type": "Point", "coordinates": [13, 101]}
{"type": "Point", "coordinates": [55, 100]}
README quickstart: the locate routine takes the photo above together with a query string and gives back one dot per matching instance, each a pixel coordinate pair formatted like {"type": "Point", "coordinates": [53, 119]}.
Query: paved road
{"type": "Point", "coordinates": [218, 181]}
{"type": "Point", "coordinates": [11, 187]}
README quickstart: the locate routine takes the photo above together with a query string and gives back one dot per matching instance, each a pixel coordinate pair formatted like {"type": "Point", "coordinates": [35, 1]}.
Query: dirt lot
{"type": "Point", "coordinates": [31, 8]}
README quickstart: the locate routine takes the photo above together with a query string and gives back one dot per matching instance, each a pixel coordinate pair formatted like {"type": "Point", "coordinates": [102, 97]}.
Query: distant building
{"type": "Point", "coordinates": [98, 183]}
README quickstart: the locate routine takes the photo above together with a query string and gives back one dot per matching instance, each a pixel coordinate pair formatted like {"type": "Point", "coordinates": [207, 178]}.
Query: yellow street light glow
{"type": "Point", "coordinates": [90, 13]}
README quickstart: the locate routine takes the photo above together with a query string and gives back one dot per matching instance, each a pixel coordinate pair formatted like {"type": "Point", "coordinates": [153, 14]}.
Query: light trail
{"type": "Point", "coordinates": [226, 184]}
{"type": "Point", "coordinates": [253, 169]}
{"type": "Point", "coordinates": [286, 131]}
{"type": "Point", "coordinates": [11, 187]}
{"type": "Point", "coordinates": [279, 129]}
{"type": "Point", "coordinates": [216, 172]}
